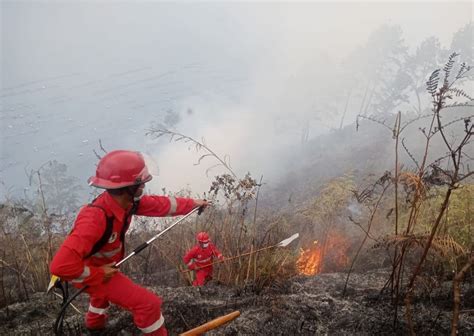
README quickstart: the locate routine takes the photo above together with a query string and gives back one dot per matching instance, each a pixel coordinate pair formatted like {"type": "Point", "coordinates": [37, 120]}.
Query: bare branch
{"type": "Point", "coordinates": [465, 176]}
{"type": "Point", "coordinates": [440, 128]}
{"type": "Point", "coordinates": [410, 154]}
{"type": "Point", "coordinates": [212, 167]}
{"type": "Point", "coordinates": [102, 147]}
{"type": "Point", "coordinates": [438, 160]}
{"type": "Point", "coordinates": [176, 136]}
{"type": "Point", "coordinates": [413, 120]}
{"type": "Point", "coordinates": [202, 157]}
{"type": "Point", "coordinates": [453, 122]}
{"type": "Point", "coordinates": [457, 105]}
{"type": "Point", "coordinates": [97, 155]}
{"type": "Point", "coordinates": [380, 122]}
{"type": "Point", "coordinates": [363, 229]}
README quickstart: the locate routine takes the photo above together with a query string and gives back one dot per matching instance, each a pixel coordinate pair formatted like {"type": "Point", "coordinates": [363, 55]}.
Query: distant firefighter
{"type": "Point", "coordinates": [200, 257]}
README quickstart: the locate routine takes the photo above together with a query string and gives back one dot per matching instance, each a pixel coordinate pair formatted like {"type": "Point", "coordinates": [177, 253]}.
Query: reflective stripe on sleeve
{"type": "Point", "coordinates": [83, 276]}
{"type": "Point", "coordinates": [95, 310]}
{"type": "Point", "coordinates": [155, 326]}
{"type": "Point", "coordinates": [108, 254]}
{"type": "Point", "coordinates": [173, 206]}
{"type": "Point", "coordinates": [204, 260]}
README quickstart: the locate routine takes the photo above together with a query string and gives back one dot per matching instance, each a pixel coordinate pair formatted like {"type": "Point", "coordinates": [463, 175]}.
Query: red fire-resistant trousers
{"type": "Point", "coordinates": [121, 291]}
{"type": "Point", "coordinates": [202, 276]}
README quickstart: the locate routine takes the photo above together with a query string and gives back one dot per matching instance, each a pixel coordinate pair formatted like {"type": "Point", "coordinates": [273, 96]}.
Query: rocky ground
{"type": "Point", "coordinates": [299, 306]}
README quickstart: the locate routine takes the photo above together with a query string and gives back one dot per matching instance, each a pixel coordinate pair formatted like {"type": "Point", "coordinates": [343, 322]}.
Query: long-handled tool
{"type": "Point", "coordinates": [283, 243]}
{"type": "Point", "coordinates": [58, 325]}
{"type": "Point", "coordinates": [213, 324]}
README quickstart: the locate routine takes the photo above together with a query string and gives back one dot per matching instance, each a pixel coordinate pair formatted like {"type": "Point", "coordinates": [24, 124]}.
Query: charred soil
{"type": "Point", "coordinates": [298, 306]}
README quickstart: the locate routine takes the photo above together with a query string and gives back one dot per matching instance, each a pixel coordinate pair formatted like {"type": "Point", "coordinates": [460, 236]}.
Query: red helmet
{"type": "Point", "coordinates": [120, 168]}
{"type": "Point", "coordinates": [202, 237]}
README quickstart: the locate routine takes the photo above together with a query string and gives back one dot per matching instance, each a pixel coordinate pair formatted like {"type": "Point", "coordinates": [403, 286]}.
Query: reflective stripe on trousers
{"type": "Point", "coordinates": [155, 326]}
{"type": "Point", "coordinates": [95, 310]}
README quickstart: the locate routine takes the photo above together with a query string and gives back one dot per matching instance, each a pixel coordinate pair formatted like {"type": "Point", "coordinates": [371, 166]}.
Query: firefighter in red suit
{"type": "Point", "coordinates": [200, 256]}
{"type": "Point", "coordinates": [123, 175]}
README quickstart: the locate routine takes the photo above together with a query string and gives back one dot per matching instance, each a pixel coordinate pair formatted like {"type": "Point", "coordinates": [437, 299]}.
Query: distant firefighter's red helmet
{"type": "Point", "coordinates": [202, 237]}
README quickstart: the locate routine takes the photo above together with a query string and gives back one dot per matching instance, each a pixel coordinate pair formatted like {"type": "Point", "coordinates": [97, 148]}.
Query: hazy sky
{"type": "Point", "coordinates": [75, 72]}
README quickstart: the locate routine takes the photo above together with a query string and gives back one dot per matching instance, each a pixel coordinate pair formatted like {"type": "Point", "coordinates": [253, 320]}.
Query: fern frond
{"type": "Point", "coordinates": [432, 83]}
{"type": "Point", "coordinates": [412, 181]}
{"type": "Point", "coordinates": [446, 246]}
{"type": "Point", "coordinates": [448, 67]}
{"type": "Point", "coordinates": [460, 93]}
{"type": "Point", "coordinates": [443, 246]}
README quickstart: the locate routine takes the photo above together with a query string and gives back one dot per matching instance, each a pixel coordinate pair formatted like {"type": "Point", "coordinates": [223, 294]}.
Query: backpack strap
{"type": "Point", "coordinates": [126, 219]}
{"type": "Point", "coordinates": [109, 225]}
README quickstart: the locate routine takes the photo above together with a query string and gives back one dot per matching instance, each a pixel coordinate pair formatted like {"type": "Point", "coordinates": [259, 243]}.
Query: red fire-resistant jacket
{"type": "Point", "coordinates": [201, 256]}
{"type": "Point", "coordinates": [70, 264]}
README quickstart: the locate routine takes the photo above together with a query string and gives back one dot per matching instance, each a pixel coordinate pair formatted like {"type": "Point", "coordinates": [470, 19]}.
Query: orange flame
{"type": "Point", "coordinates": [331, 256]}
{"type": "Point", "coordinates": [309, 261]}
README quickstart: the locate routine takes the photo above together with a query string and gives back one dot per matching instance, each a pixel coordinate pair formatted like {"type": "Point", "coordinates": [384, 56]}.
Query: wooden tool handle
{"type": "Point", "coordinates": [217, 322]}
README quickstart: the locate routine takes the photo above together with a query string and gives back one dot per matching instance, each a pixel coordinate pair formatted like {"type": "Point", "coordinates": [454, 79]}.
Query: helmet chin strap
{"type": "Point", "coordinates": [131, 191]}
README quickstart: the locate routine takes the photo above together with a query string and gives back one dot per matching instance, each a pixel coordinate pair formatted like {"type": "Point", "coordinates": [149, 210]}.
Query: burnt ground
{"type": "Point", "coordinates": [298, 306]}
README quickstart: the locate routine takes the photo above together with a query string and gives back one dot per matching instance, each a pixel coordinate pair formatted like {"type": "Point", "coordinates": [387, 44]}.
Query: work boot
{"type": "Point", "coordinates": [96, 332]}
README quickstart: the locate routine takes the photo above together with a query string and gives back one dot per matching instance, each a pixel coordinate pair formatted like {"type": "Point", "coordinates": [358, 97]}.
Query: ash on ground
{"type": "Point", "coordinates": [297, 306]}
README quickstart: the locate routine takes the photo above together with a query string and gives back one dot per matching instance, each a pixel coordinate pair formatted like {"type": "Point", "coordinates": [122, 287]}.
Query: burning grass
{"type": "Point", "coordinates": [326, 256]}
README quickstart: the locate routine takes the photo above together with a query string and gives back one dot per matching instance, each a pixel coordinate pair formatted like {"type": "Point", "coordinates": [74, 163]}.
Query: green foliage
{"type": "Point", "coordinates": [460, 222]}
{"type": "Point", "coordinates": [457, 221]}
{"type": "Point", "coordinates": [332, 200]}
{"type": "Point", "coordinates": [326, 209]}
